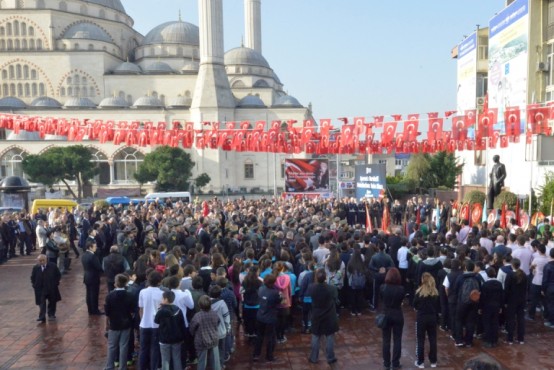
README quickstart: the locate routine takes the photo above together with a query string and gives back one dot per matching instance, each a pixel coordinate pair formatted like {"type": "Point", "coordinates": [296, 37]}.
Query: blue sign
{"type": "Point", "coordinates": [508, 16]}
{"type": "Point", "coordinates": [468, 45]}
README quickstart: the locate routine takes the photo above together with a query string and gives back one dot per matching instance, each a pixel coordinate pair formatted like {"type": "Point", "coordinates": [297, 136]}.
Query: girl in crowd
{"type": "Point", "coordinates": [427, 305]}
{"type": "Point", "coordinates": [392, 295]}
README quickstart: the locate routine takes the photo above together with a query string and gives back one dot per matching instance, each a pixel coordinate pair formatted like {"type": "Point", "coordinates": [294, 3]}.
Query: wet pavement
{"type": "Point", "coordinates": [76, 340]}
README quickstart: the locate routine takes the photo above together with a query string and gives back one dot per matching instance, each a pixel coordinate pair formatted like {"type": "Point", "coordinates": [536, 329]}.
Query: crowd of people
{"type": "Point", "coordinates": [181, 277]}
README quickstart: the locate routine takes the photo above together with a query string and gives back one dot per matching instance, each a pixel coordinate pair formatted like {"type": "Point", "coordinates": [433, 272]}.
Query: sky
{"type": "Point", "coordinates": [350, 58]}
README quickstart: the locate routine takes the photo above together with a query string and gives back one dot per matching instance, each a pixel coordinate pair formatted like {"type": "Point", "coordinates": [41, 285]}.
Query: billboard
{"type": "Point", "coordinates": [371, 180]}
{"type": "Point", "coordinates": [508, 55]}
{"type": "Point", "coordinates": [467, 74]}
{"type": "Point", "coordinates": [306, 176]}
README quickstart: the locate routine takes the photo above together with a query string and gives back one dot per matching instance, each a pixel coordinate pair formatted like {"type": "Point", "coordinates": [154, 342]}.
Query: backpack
{"type": "Point", "coordinates": [357, 280]}
{"type": "Point", "coordinates": [470, 291]}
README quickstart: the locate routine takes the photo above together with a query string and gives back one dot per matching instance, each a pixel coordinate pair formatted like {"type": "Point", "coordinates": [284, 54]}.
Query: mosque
{"type": "Point", "coordinates": [83, 59]}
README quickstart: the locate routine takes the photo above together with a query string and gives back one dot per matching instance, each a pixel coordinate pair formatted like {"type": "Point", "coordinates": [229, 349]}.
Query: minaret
{"type": "Point", "coordinates": [212, 86]}
{"type": "Point", "coordinates": [253, 24]}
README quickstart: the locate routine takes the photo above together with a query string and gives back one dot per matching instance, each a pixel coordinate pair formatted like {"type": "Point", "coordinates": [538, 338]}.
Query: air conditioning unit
{"type": "Point", "coordinates": [480, 101]}
{"type": "Point", "coordinates": [542, 67]}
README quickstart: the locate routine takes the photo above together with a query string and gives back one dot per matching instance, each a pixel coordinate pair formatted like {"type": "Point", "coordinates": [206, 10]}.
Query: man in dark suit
{"type": "Point", "coordinates": [92, 269]}
{"type": "Point", "coordinates": [45, 279]}
{"type": "Point", "coordinates": [204, 238]}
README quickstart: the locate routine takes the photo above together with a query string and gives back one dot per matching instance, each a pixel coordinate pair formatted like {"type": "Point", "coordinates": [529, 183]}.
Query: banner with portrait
{"type": "Point", "coordinates": [306, 175]}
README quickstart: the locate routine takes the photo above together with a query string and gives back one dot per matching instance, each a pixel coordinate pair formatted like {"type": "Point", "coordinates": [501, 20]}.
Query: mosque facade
{"type": "Point", "coordinates": [83, 59]}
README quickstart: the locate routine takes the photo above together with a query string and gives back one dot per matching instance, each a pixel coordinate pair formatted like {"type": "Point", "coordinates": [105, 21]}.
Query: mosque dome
{"type": "Point", "coordinates": [177, 32]}
{"type": "Point", "coordinates": [79, 103]}
{"type": "Point", "coordinates": [159, 68]}
{"type": "Point", "coordinates": [251, 101]}
{"type": "Point", "coordinates": [113, 4]}
{"type": "Point", "coordinates": [113, 102]}
{"type": "Point", "coordinates": [46, 102]}
{"type": "Point", "coordinates": [287, 101]}
{"type": "Point", "coordinates": [180, 102]}
{"type": "Point", "coordinates": [148, 102]}
{"type": "Point", "coordinates": [245, 56]}
{"type": "Point", "coordinates": [87, 31]}
{"type": "Point", "coordinates": [11, 102]}
{"type": "Point", "coordinates": [127, 68]}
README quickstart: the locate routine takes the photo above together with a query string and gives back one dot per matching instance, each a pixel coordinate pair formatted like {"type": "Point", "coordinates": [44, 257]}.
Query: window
{"type": "Point", "coordinates": [101, 161]}
{"type": "Point", "coordinates": [126, 163]}
{"type": "Point", "coordinates": [249, 170]}
{"type": "Point", "coordinates": [282, 170]}
{"type": "Point", "coordinates": [10, 164]}
{"type": "Point", "coordinates": [382, 161]}
{"type": "Point", "coordinates": [482, 81]}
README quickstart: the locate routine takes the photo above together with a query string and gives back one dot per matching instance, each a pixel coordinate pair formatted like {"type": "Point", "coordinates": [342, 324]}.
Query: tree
{"type": "Point", "coordinates": [70, 163]}
{"type": "Point", "coordinates": [171, 168]}
{"type": "Point", "coordinates": [546, 193]}
{"type": "Point", "coordinates": [418, 169]}
{"type": "Point", "coordinates": [444, 170]}
{"type": "Point", "coordinates": [202, 180]}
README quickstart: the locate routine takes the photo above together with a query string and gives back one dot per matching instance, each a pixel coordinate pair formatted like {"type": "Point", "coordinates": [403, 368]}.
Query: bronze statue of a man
{"type": "Point", "coordinates": [496, 183]}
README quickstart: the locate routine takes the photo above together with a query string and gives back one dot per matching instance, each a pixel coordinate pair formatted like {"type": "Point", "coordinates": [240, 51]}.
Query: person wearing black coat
{"type": "Point", "coordinates": [392, 295]}
{"type": "Point", "coordinates": [448, 284]}
{"type": "Point", "coordinates": [114, 264]}
{"type": "Point", "coordinates": [491, 302]}
{"type": "Point", "coordinates": [324, 317]}
{"type": "Point", "coordinates": [267, 318]}
{"type": "Point", "coordinates": [515, 291]}
{"type": "Point", "coordinates": [92, 269]}
{"type": "Point", "coordinates": [427, 305]}
{"type": "Point", "coordinates": [548, 289]}
{"type": "Point", "coordinates": [45, 279]}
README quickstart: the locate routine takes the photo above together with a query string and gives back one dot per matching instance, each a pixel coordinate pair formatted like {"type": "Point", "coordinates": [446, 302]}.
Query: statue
{"type": "Point", "coordinates": [496, 183]}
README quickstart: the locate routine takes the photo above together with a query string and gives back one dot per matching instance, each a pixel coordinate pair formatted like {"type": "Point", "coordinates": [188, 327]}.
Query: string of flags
{"type": "Point", "coordinates": [471, 131]}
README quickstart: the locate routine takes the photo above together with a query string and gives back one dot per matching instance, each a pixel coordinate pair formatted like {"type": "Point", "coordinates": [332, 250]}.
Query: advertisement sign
{"type": "Point", "coordinates": [508, 54]}
{"type": "Point", "coordinates": [467, 74]}
{"type": "Point", "coordinates": [371, 180]}
{"type": "Point", "coordinates": [306, 176]}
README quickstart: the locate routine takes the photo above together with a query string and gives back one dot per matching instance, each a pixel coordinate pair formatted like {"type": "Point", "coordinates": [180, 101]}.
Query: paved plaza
{"type": "Point", "coordinates": [76, 340]}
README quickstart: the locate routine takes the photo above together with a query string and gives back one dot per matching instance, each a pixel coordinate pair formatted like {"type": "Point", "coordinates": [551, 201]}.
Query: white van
{"type": "Point", "coordinates": [174, 195]}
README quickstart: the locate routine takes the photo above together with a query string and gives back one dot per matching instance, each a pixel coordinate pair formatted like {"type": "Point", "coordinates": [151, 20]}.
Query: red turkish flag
{"type": "Point", "coordinates": [410, 129]}
{"type": "Point", "coordinates": [459, 129]}
{"type": "Point", "coordinates": [432, 115]}
{"type": "Point", "coordinates": [396, 117]}
{"type": "Point", "coordinates": [470, 118]}
{"type": "Point", "coordinates": [435, 129]}
{"type": "Point", "coordinates": [378, 121]}
{"type": "Point", "coordinates": [347, 134]}
{"type": "Point", "coordinates": [260, 125]}
{"type": "Point", "coordinates": [229, 125]}
{"type": "Point", "coordinates": [512, 121]}
{"type": "Point", "coordinates": [389, 132]}
{"type": "Point", "coordinates": [307, 133]}
{"type": "Point", "coordinates": [359, 123]}
{"type": "Point", "coordinates": [537, 119]}
{"type": "Point", "coordinates": [504, 141]}
{"type": "Point", "coordinates": [495, 138]}
{"type": "Point", "coordinates": [325, 126]}
{"type": "Point", "coordinates": [485, 127]}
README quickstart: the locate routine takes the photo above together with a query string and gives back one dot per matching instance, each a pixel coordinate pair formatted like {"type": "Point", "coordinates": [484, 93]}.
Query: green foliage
{"type": "Point", "coordinates": [546, 193]}
{"type": "Point", "coordinates": [475, 196]}
{"type": "Point", "coordinates": [438, 170]}
{"type": "Point", "coordinates": [70, 163]}
{"type": "Point", "coordinates": [398, 190]}
{"type": "Point", "coordinates": [505, 197]}
{"type": "Point", "coordinates": [391, 180]}
{"type": "Point", "coordinates": [171, 168]}
{"type": "Point", "coordinates": [101, 204]}
{"type": "Point", "coordinates": [202, 180]}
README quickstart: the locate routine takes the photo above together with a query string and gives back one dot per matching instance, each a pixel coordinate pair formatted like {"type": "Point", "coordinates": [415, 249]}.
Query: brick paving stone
{"type": "Point", "coordinates": [76, 341]}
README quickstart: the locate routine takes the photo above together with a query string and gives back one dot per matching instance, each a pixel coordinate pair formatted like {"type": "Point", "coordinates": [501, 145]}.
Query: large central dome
{"type": "Point", "coordinates": [114, 4]}
{"type": "Point", "coordinates": [177, 32]}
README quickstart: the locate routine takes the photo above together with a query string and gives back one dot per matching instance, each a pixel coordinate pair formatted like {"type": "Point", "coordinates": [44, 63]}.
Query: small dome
{"type": "Point", "coordinates": [180, 102]}
{"type": "Point", "coordinates": [113, 102]}
{"type": "Point", "coordinates": [87, 31]}
{"type": "Point", "coordinates": [159, 68]}
{"type": "Point", "coordinates": [113, 4]}
{"type": "Point", "coordinates": [245, 56]}
{"type": "Point", "coordinates": [177, 32]}
{"type": "Point", "coordinates": [46, 102]}
{"type": "Point", "coordinates": [148, 102]}
{"type": "Point", "coordinates": [251, 101]}
{"type": "Point", "coordinates": [14, 183]}
{"type": "Point", "coordinates": [287, 101]}
{"type": "Point", "coordinates": [127, 68]}
{"type": "Point", "coordinates": [11, 102]}
{"type": "Point", "coordinates": [23, 135]}
{"type": "Point", "coordinates": [79, 103]}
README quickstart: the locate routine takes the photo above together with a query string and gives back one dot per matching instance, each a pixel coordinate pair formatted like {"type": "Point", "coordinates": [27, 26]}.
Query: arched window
{"type": "Point", "coordinates": [32, 44]}
{"type": "Point", "coordinates": [17, 44]}
{"type": "Point", "coordinates": [10, 163]}
{"type": "Point", "coordinates": [69, 80]}
{"type": "Point", "coordinates": [101, 161]}
{"type": "Point", "coordinates": [16, 28]}
{"type": "Point", "coordinates": [248, 169]}
{"type": "Point", "coordinates": [90, 47]}
{"type": "Point", "coordinates": [5, 90]}
{"type": "Point", "coordinates": [31, 31]}
{"type": "Point", "coordinates": [12, 72]}
{"type": "Point", "coordinates": [19, 90]}
{"type": "Point", "coordinates": [126, 164]}
{"type": "Point", "coordinates": [18, 73]}
{"type": "Point", "coordinates": [2, 45]}
{"type": "Point", "coordinates": [69, 91]}
{"type": "Point", "coordinates": [23, 29]}
{"type": "Point", "coordinates": [62, 91]}
{"type": "Point", "coordinates": [84, 92]}
{"type": "Point", "coordinates": [27, 90]}
{"type": "Point", "coordinates": [4, 74]}
{"type": "Point", "coordinates": [2, 31]}
{"type": "Point", "coordinates": [41, 90]}
{"type": "Point", "coordinates": [10, 45]}
{"type": "Point", "coordinates": [12, 89]}
{"type": "Point", "coordinates": [9, 28]}
{"type": "Point", "coordinates": [39, 44]}
{"type": "Point", "coordinates": [33, 74]}
{"type": "Point", "coordinates": [34, 89]}
{"type": "Point", "coordinates": [26, 72]}
{"type": "Point", "coordinates": [23, 44]}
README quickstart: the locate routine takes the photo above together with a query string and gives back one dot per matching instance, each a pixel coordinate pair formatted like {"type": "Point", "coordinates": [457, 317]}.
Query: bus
{"type": "Point", "coordinates": [174, 195]}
